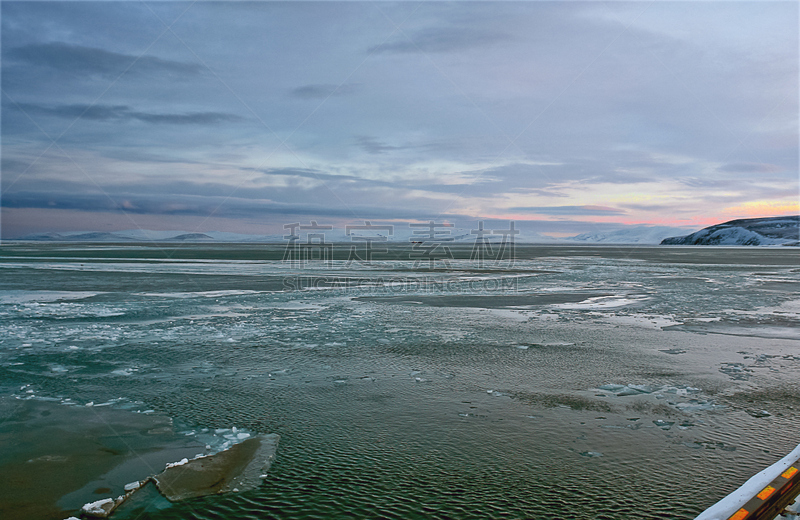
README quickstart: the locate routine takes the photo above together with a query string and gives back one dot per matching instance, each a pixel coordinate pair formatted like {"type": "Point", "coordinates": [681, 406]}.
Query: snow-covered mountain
{"type": "Point", "coordinates": [630, 235]}
{"type": "Point", "coordinates": [765, 231]}
{"type": "Point", "coordinates": [139, 235]}
{"type": "Point", "coordinates": [147, 235]}
{"type": "Point", "coordinates": [90, 236]}
{"type": "Point", "coordinates": [399, 234]}
{"type": "Point", "coordinates": [769, 231]}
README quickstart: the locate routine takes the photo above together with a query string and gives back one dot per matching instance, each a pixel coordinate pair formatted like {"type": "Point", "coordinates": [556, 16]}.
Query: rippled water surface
{"type": "Point", "coordinates": [575, 382]}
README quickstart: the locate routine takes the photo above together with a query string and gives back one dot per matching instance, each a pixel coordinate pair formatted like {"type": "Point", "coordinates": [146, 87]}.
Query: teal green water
{"type": "Point", "coordinates": [405, 393]}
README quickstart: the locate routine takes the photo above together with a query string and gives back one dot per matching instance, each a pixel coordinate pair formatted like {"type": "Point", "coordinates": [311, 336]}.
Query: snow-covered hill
{"type": "Point", "coordinates": [90, 236]}
{"type": "Point", "coordinates": [398, 234]}
{"type": "Point", "coordinates": [770, 231]}
{"type": "Point", "coordinates": [631, 235]}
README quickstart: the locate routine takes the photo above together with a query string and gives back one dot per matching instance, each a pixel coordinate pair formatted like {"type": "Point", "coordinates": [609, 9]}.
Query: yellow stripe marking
{"type": "Point", "coordinates": [740, 514]}
{"type": "Point", "coordinates": [766, 492]}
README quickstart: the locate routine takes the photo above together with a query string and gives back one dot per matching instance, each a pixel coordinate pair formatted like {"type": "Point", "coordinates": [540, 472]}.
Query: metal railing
{"type": "Point", "coordinates": [765, 496]}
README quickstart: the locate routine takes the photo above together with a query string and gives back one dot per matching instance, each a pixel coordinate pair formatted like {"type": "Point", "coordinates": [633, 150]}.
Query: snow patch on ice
{"type": "Point", "coordinates": [600, 302]}
{"type": "Point", "coordinates": [101, 508]}
{"type": "Point", "coordinates": [16, 297]}
{"type": "Point", "coordinates": [179, 463]}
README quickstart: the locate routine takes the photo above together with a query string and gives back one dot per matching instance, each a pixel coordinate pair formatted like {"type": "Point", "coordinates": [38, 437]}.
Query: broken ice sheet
{"type": "Point", "coordinates": [100, 508]}
{"type": "Point", "coordinates": [735, 370]}
{"type": "Point", "coordinates": [239, 468]}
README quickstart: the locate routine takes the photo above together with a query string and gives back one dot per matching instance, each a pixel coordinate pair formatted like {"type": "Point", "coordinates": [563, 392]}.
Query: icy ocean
{"type": "Point", "coordinates": [572, 382]}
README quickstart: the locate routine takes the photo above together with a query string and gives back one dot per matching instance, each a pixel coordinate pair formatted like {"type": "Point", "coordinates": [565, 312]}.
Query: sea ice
{"type": "Point", "coordinates": [100, 509]}
{"type": "Point", "coordinates": [664, 425]}
{"type": "Point", "coordinates": [628, 391]}
{"type": "Point", "coordinates": [236, 469]}
{"type": "Point", "coordinates": [591, 454]}
{"type": "Point", "coordinates": [179, 463]}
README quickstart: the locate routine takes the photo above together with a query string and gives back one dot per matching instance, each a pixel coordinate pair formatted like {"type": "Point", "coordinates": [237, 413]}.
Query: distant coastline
{"type": "Point", "coordinates": [768, 231]}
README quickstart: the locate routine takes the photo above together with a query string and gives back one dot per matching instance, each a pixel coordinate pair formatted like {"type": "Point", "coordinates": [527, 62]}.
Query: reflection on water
{"type": "Point", "coordinates": [578, 383]}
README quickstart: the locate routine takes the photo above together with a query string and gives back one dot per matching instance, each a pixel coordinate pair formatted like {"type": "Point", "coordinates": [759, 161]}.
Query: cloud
{"type": "Point", "coordinates": [695, 182]}
{"type": "Point", "coordinates": [542, 193]}
{"type": "Point", "coordinates": [203, 206]}
{"type": "Point", "coordinates": [571, 210]}
{"type": "Point", "coordinates": [124, 113]}
{"type": "Point", "coordinates": [307, 173]}
{"type": "Point", "coordinates": [89, 60]}
{"type": "Point", "coordinates": [8, 165]}
{"type": "Point", "coordinates": [323, 91]}
{"type": "Point", "coordinates": [489, 123]}
{"type": "Point", "coordinates": [648, 207]}
{"type": "Point", "coordinates": [439, 39]}
{"type": "Point", "coordinates": [373, 146]}
{"type": "Point", "coordinates": [194, 118]}
{"type": "Point", "coordinates": [750, 168]}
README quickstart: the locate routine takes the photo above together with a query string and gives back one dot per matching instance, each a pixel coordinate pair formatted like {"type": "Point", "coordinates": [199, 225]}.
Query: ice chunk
{"type": "Point", "coordinates": [664, 425]}
{"type": "Point", "coordinates": [179, 463]}
{"type": "Point", "coordinates": [241, 467]}
{"type": "Point", "coordinates": [100, 509]}
{"type": "Point", "coordinates": [133, 486]}
{"type": "Point", "coordinates": [591, 454]}
{"type": "Point", "coordinates": [695, 405]}
{"type": "Point", "coordinates": [645, 389]}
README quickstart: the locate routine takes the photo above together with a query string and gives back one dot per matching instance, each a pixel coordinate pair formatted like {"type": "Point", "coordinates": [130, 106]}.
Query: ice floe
{"type": "Point", "coordinates": [683, 398]}
{"type": "Point", "coordinates": [99, 509]}
{"type": "Point", "coordinates": [132, 486]}
{"type": "Point", "coordinates": [591, 454]}
{"type": "Point", "coordinates": [16, 297]}
{"type": "Point", "coordinates": [601, 302]}
{"type": "Point", "coordinates": [239, 467]}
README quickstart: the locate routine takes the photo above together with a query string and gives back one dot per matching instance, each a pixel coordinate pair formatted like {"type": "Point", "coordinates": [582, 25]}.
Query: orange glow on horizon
{"type": "Point", "coordinates": [763, 208]}
{"type": "Point", "coordinates": [756, 209]}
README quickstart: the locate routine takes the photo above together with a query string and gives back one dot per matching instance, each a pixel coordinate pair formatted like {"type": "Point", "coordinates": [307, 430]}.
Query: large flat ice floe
{"type": "Point", "coordinates": [238, 468]}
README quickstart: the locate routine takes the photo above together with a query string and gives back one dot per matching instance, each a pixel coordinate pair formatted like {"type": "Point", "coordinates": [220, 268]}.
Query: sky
{"type": "Point", "coordinates": [565, 117]}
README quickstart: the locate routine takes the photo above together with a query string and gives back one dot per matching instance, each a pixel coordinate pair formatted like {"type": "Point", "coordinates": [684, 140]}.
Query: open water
{"type": "Point", "coordinates": [574, 382]}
